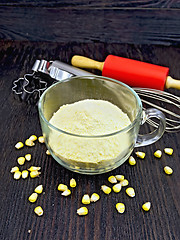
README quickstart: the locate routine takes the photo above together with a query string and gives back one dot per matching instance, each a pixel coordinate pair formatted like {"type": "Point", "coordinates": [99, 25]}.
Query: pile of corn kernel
{"type": "Point", "coordinates": [118, 181]}
{"type": "Point", "coordinates": [33, 171]}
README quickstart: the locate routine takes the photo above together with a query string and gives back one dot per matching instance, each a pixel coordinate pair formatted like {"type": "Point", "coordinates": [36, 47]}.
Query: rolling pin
{"type": "Point", "coordinates": [132, 72]}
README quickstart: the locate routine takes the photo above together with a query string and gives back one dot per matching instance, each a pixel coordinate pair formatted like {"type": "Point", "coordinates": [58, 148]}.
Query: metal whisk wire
{"type": "Point", "coordinates": [159, 97]}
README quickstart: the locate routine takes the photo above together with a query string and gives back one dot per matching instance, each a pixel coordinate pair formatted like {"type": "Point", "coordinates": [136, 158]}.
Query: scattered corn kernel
{"type": "Point", "coordinates": [39, 189]}
{"type": "Point", "coordinates": [34, 174]}
{"type": "Point", "coordinates": [39, 211]}
{"type": "Point", "coordinates": [86, 199]}
{"type": "Point", "coordinates": [158, 154]}
{"type": "Point", "coordinates": [82, 211]}
{"type": "Point", "coordinates": [132, 160]}
{"type": "Point", "coordinates": [29, 143]}
{"type": "Point", "coordinates": [94, 197]}
{"type": "Point", "coordinates": [33, 168]}
{"type": "Point", "coordinates": [112, 179]}
{"type": "Point", "coordinates": [120, 207]}
{"type": "Point", "coordinates": [124, 183]}
{"type": "Point", "coordinates": [33, 197]}
{"type": "Point", "coordinates": [17, 175]}
{"type": "Point", "coordinates": [19, 145]}
{"type": "Point", "coordinates": [140, 155]}
{"type": "Point", "coordinates": [48, 152]}
{"type": "Point", "coordinates": [25, 174]}
{"type": "Point", "coordinates": [21, 160]}
{"type": "Point", "coordinates": [14, 169]}
{"type": "Point", "coordinates": [130, 192]}
{"type": "Point", "coordinates": [62, 187]}
{"type": "Point", "coordinates": [28, 157]}
{"type": "Point", "coordinates": [106, 189]}
{"type": "Point", "coordinates": [33, 138]}
{"type": "Point", "coordinates": [117, 187]}
{"type": "Point", "coordinates": [72, 183]}
{"type": "Point", "coordinates": [168, 170]}
{"type": "Point", "coordinates": [168, 151]}
{"type": "Point", "coordinates": [146, 206]}
{"type": "Point", "coordinates": [66, 193]}
{"type": "Point", "coordinates": [119, 177]}
{"type": "Point", "coordinates": [41, 139]}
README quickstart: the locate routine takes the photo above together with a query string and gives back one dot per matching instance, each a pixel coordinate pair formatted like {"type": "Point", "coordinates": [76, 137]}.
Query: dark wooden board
{"type": "Point", "coordinates": [60, 221]}
{"type": "Point", "coordinates": [95, 3]}
{"type": "Point", "coordinates": [82, 24]}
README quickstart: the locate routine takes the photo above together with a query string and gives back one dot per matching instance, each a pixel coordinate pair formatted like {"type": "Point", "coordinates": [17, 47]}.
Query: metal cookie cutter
{"type": "Point", "coordinates": [31, 86]}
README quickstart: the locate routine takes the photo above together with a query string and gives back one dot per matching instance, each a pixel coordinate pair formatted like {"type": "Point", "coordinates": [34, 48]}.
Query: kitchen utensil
{"type": "Point", "coordinates": [45, 73]}
{"type": "Point", "coordinates": [165, 102]}
{"type": "Point", "coordinates": [132, 72]}
{"type": "Point", "coordinates": [94, 87]}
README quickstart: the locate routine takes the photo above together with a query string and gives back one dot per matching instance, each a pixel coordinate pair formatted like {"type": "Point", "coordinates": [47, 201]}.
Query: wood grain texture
{"type": "Point", "coordinates": [95, 3]}
{"type": "Point", "coordinates": [60, 221]}
{"type": "Point", "coordinates": [88, 24]}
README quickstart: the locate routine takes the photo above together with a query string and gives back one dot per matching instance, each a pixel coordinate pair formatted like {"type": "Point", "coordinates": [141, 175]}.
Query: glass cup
{"type": "Point", "coordinates": [100, 153]}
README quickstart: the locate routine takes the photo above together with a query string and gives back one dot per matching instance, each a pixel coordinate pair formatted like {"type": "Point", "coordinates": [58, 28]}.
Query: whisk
{"type": "Point", "coordinates": [166, 102]}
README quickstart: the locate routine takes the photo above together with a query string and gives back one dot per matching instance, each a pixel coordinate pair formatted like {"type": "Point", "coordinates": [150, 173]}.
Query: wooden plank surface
{"type": "Point", "coordinates": [95, 3]}
{"type": "Point", "coordinates": [19, 120]}
{"type": "Point", "coordinates": [86, 23]}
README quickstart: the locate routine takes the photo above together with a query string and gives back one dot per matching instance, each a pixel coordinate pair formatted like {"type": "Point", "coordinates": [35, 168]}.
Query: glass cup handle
{"type": "Point", "coordinates": [147, 139]}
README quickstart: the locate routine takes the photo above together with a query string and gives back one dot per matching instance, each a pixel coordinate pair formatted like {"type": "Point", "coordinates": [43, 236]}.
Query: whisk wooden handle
{"type": "Point", "coordinates": [172, 83]}
{"type": "Point", "coordinates": [132, 72]}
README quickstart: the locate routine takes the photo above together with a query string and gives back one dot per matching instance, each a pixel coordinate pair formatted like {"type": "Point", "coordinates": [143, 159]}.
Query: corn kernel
{"type": "Point", "coordinates": [41, 139]}
{"type": "Point", "coordinates": [130, 192]}
{"type": "Point", "coordinates": [39, 211]}
{"type": "Point", "coordinates": [21, 160]}
{"type": "Point", "coordinates": [25, 174]}
{"type": "Point", "coordinates": [28, 157]}
{"type": "Point", "coordinates": [33, 138]}
{"type": "Point", "coordinates": [94, 197]}
{"type": "Point", "coordinates": [158, 154]}
{"type": "Point", "coordinates": [34, 174]}
{"type": "Point", "coordinates": [72, 183]}
{"type": "Point", "coordinates": [112, 179]}
{"type": "Point", "coordinates": [62, 187]}
{"type": "Point", "coordinates": [33, 197]}
{"type": "Point", "coordinates": [48, 152]}
{"type": "Point", "coordinates": [82, 211]}
{"type": "Point", "coordinates": [86, 199]}
{"type": "Point", "coordinates": [120, 207]}
{"type": "Point", "coordinates": [106, 189]}
{"type": "Point", "coordinates": [140, 155]}
{"type": "Point", "coordinates": [19, 145]}
{"type": "Point", "coordinates": [33, 168]}
{"type": "Point", "coordinates": [124, 183]}
{"type": "Point", "coordinates": [117, 187]}
{"type": "Point", "coordinates": [66, 193]}
{"type": "Point", "coordinates": [17, 175]}
{"type": "Point", "coordinates": [168, 170]}
{"type": "Point", "coordinates": [119, 177]}
{"type": "Point", "coordinates": [146, 206]}
{"type": "Point", "coordinates": [38, 189]}
{"type": "Point", "coordinates": [29, 143]}
{"type": "Point", "coordinates": [132, 160]}
{"type": "Point", "coordinates": [14, 169]}
{"type": "Point", "coordinates": [168, 151]}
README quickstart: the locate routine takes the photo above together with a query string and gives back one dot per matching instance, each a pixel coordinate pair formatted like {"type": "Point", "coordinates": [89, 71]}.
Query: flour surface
{"type": "Point", "coordinates": [91, 118]}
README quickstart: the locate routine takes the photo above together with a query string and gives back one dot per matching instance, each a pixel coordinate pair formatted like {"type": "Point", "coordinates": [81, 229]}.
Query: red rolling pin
{"type": "Point", "coordinates": [133, 73]}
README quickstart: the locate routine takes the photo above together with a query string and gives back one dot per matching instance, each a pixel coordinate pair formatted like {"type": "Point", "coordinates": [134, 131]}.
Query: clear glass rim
{"type": "Point", "coordinates": [90, 136]}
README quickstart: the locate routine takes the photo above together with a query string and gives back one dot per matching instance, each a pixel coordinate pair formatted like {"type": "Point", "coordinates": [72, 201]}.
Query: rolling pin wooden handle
{"type": "Point", "coordinates": [84, 62]}
{"type": "Point", "coordinates": [172, 83]}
